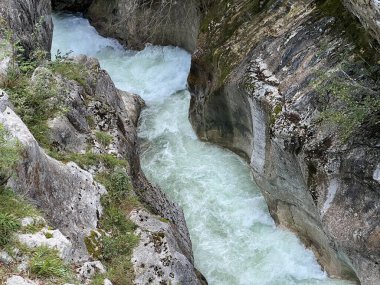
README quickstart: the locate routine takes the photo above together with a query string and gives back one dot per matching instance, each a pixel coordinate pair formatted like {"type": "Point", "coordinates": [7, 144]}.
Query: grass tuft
{"type": "Point", "coordinates": [46, 263]}
{"type": "Point", "coordinates": [104, 138]}
{"type": "Point", "coordinates": [8, 226]}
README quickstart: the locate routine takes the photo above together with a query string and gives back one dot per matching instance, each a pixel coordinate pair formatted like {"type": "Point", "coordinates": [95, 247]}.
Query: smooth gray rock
{"type": "Point", "coordinates": [5, 258]}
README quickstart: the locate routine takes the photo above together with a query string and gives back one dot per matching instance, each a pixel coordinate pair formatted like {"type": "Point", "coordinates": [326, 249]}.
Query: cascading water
{"type": "Point", "coordinates": [235, 241]}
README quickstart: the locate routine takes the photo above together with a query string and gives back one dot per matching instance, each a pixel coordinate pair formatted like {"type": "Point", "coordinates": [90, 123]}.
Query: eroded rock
{"type": "Point", "coordinates": [69, 196]}
{"type": "Point", "coordinates": [158, 258]}
{"type": "Point", "coordinates": [53, 239]}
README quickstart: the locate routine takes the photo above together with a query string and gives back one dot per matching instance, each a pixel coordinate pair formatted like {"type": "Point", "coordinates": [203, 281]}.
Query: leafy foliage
{"type": "Point", "coordinates": [35, 103]}
{"type": "Point", "coordinates": [116, 248]}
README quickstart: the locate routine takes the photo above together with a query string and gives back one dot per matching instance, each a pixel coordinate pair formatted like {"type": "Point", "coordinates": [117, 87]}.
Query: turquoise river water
{"type": "Point", "coordinates": [235, 241]}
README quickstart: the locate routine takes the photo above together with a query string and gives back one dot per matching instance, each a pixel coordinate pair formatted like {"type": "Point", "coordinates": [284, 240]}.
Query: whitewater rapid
{"type": "Point", "coordinates": [235, 241]}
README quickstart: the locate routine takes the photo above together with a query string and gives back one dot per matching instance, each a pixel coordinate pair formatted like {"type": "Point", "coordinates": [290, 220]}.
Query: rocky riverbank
{"type": "Point", "coordinates": [79, 165]}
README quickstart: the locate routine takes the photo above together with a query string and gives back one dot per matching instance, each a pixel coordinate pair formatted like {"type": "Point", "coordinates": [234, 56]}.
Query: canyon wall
{"type": "Point", "coordinates": [136, 23]}
{"type": "Point", "coordinates": [368, 12]}
{"type": "Point", "coordinates": [29, 23]}
{"type": "Point", "coordinates": [293, 87]}
{"type": "Point", "coordinates": [71, 5]}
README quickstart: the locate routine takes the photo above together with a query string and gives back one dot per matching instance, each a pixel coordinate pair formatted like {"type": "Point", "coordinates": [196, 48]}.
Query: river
{"type": "Point", "coordinates": [235, 241]}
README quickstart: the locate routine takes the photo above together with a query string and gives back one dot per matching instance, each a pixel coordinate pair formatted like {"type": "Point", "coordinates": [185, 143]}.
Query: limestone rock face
{"type": "Point", "coordinates": [69, 196]}
{"type": "Point", "coordinates": [30, 21]}
{"type": "Point", "coordinates": [158, 258]}
{"type": "Point", "coordinates": [115, 112]}
{"type": "Point", "coordinates": [260, 80]}
{"type": "Point", "coordinates": [135, 23]}
{"type": "Point", "coordinates": [368, 12]}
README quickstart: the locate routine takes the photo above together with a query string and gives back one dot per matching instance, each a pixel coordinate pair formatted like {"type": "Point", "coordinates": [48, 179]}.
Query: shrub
{"type": "Point", "coordinates": [35, 103]}
{"type": "Point", "coordinates": [104, 138]}
{"type": "Point", "coordinates": [14, 204]}
{"type": "Point", "coordinates": [46, 263]}
{"type": "Point", "coordinates": [9, 154]}
{"type": "Point", "coordinates": [348, 101]}
{"type": "Point", "coordinates": [8, 225]}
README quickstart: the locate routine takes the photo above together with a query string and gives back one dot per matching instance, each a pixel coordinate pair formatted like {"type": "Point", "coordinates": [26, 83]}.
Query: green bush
{"type": "Point", "coordinates": [46, 263]}
{"type": "Point", "coordinates": [8, 225]}
{"type": "Point", "coordinates": [348, 102]}
{"type": "Point", "coordinates": [9, 154]}
{"type": "Point", "coordinates": [14, 204]}
{"type": "Point", "coordinates": [118, 245]}
{"type": "Point", "coordinates": [90, 159]}
{"type": "Point", "coordinates": [35, 103]}
{"type": "Point", "coordinates": [104, 138]}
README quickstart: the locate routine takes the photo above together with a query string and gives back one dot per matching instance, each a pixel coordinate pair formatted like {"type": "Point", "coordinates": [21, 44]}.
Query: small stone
{"type": "Point", "coordinates": [376, 173]}
{"type": "Point", "coordinates": [89, 269]}
{"type": "Point", "coordinates": [27, 221]}
{"type": "Point", "coordinates": [18, 280]}
{"type": "Point", "coordinates": [23, 266]}
{"type": "Point", "coordinates": [107, 282]}
{"type": "Point", "coordinates": [5, 258]}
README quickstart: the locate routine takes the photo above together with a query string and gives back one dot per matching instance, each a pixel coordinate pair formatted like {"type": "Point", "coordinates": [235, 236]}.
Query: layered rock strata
{"type": "Point", "coordinates": [269, 80]}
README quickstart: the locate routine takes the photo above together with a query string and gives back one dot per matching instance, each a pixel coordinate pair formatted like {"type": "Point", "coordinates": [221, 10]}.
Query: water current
{"type": "Point", "coordinates": [235, 241]}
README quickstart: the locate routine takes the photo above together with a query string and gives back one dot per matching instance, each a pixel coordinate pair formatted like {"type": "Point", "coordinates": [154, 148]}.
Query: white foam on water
{"type": "Point", "coordinates": [235, 240]}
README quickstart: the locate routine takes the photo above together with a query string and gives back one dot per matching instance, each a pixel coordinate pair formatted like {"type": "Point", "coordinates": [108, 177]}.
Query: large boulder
{"type": "Point", "coordinates": [158, 259]}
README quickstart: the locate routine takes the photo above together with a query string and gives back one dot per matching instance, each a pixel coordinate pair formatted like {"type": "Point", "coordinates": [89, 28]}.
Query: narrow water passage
{"type": "Point", "coordinates": [235, 241]}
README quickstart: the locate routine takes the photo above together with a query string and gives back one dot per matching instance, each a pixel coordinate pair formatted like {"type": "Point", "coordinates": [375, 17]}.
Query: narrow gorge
{"type": "Point", "coordinates": [189, 142]}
